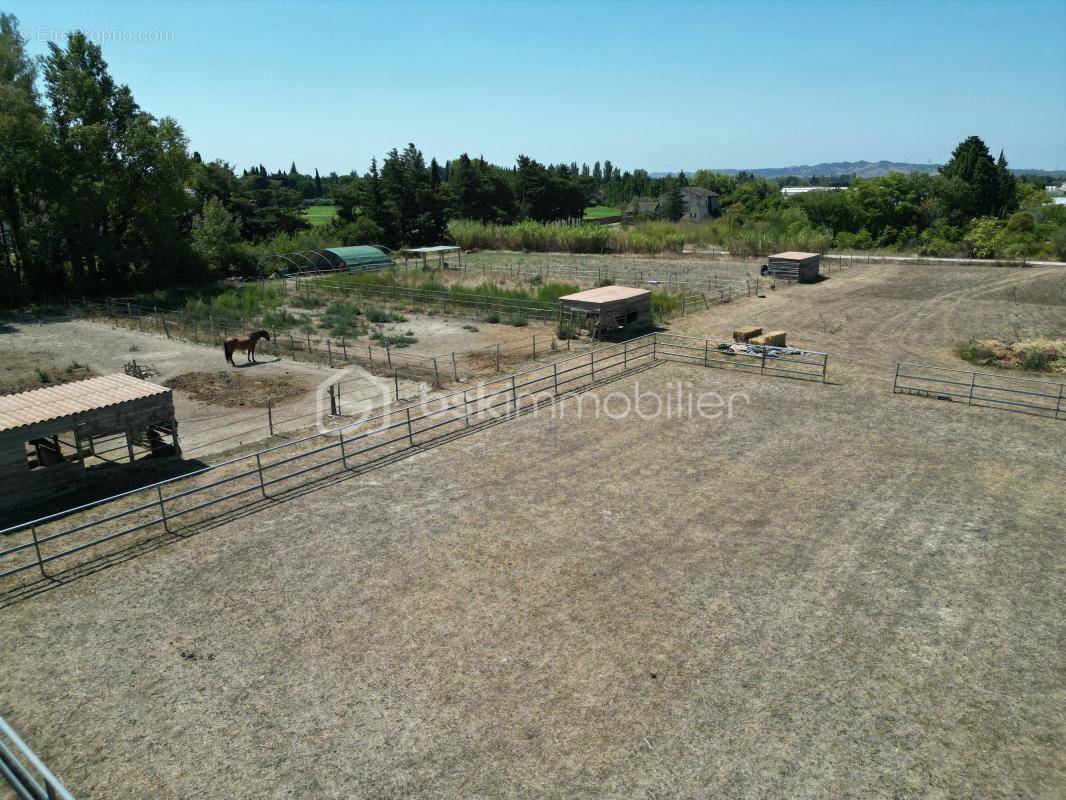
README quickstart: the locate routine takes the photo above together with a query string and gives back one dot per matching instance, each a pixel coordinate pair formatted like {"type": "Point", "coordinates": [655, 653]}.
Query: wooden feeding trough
{"type": "Point", "coordinates": [607, 310]}
{"type": "Point", "coordinates": [51, 438]}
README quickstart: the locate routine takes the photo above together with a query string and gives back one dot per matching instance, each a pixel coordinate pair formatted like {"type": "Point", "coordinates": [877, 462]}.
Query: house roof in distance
{"type": "Point", "coordinates": [699, 190]}
{"type": "Point", "coordinates": [605, 294]}
{"type": "Point", "coordinates": [76, 397]}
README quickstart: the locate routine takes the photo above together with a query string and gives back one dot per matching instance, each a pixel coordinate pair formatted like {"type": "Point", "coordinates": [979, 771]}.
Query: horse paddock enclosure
{"type": "Point", "coordinates": [831, 591]}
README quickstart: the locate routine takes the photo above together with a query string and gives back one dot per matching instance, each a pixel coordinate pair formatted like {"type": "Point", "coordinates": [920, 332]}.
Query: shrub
{"type": "Point", "coordinates": [517, 320]}
{"type": "Point", "coordinates": [492, 317]}
{"type": "Point", "coordinates": [976, 353]}
{"type": "Point", "coordinates": [342, 319]}
{"type": "Point", "coordinates": [380, 316]}
{"type": "Point", "coordinates": [1035, 359]}
{"type": "Point", "coordinates": [284, 320]}
{"type": "Point", "coordinates": [565, 330]}
{"type": "Point", "coordinates": [399, 340]}
{"type": "Point", "coordinates": [309, 301]}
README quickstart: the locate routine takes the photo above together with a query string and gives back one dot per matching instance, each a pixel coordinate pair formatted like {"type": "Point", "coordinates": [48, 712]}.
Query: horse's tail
{"type": "Point", "coordinates": [229, 351]}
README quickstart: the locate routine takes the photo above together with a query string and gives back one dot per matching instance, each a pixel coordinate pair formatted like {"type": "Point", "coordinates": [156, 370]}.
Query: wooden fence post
{"type": "Point", "coordinates": [497, 356]}
{"type": "Point", "coordinates": [455, 367]}
{"type": "Point", "coordinates": [270, 415]}
{"type": "Point", "coordinates": [436, 375]}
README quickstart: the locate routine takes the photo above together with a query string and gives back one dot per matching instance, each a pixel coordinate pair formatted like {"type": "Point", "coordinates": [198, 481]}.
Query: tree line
{"type": "Point", "coordinates": [99, 196]}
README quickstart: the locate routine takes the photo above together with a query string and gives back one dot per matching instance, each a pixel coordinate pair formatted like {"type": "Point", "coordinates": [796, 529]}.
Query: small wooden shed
{"type": "Point", "coordinates": [608, 309]}
{"type": "Point", "coordinates": [793, 266]}
{"type": "Point", "coordinates": [51, 438]}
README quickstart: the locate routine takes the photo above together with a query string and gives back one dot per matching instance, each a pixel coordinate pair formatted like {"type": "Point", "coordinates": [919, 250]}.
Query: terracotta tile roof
{"type": "Point", "coordinates": [66, 399]}
{"type": "Point", "coordinates": [606, 294]}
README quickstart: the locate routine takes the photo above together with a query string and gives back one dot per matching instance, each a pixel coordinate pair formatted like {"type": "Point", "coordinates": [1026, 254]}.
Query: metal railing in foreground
{"type": "Point", "coordinates": [281, 468]}
{"type": "Point", "coordinates": [24, 771]}
{"type": "Point", "coordinates": [38, 543]}
{"type": "Point", "coordinates": [1009, 392]}
{"type": "Point", "coordinates": [764, 359]}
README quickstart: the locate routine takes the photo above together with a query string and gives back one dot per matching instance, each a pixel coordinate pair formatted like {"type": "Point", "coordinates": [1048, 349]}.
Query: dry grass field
{"type": "Point", "coordinates": [839, 592]}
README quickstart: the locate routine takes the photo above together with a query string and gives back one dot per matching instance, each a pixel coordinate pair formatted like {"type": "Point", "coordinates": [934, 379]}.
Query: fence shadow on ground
{"type": "Point", "coordinates": [161, 538]}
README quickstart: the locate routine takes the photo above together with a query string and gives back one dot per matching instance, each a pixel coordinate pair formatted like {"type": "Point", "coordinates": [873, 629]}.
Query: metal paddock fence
{"type": "Point", "coordinates": [1007, 392]}
{"type": "Point", "coordinates": [781, 361]}
{"type": "Point", "coordinates": [355, 444]}
{"type": "Point", "coordinates": [24, 771]}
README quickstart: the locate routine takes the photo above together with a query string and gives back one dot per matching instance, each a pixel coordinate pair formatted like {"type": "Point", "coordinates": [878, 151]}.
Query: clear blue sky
{"type": "Point", "coordinates": [662, 86]}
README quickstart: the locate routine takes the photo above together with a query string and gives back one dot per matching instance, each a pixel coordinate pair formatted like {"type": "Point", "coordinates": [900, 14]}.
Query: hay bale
{"type": "Point", "coordinates": [775, 338]}
{"type": "Point", "coordinates": [758, 340]}
{"type": "Point", "coordinates": [747, 333]}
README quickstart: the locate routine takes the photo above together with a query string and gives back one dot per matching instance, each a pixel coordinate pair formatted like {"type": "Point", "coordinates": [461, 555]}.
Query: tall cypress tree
{"type": "Point", "coordinates": [1007, 187]}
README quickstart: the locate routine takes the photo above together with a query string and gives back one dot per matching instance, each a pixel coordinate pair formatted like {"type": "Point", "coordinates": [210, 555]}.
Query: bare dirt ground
{"type": "Point", "coordinates": [106, 349]}
{"type": "Point", "coordinates": [870, 317]}
{"type": "Point", "coordinates": [26, 370]}
{"type": "Point", "coordinates": [839, 592]}
{"type": "Point", "coordinates": [444, 334]}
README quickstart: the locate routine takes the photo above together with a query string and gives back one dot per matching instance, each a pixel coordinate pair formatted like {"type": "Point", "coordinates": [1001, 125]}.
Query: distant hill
{"type": "Point", "coordinates": [861, 169]}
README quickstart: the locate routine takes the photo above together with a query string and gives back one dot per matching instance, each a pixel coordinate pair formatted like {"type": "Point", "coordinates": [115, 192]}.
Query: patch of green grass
{"type": "Point", "coordinates": [599, 212]}
{"type": "Point", "coordinates": [42, 375]}
{"type": "Point", "coordinates": [320, 215]}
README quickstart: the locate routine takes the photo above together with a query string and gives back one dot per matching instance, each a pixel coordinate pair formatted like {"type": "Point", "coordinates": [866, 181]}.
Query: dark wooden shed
{"type": "Point", "coordinates": [51, 438]}
{"type": "Point", "coordinates": [608, 309]}
{"type": "Point", "coordinates": [793, 266]}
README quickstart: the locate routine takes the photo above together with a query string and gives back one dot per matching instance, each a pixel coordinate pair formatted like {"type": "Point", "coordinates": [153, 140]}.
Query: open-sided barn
{"type": "Point", "coordinates": [50, 436]}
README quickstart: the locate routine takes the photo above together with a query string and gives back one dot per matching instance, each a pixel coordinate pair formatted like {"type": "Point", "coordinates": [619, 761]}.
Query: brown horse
{"type": "Point", "coordinates": [247, 343]}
